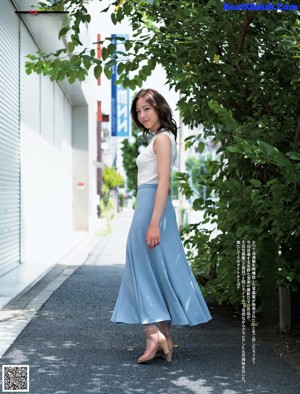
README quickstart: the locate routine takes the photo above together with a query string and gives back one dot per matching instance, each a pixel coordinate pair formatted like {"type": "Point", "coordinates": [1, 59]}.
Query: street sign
{"type": "Point", "coordinates": [120, 100]}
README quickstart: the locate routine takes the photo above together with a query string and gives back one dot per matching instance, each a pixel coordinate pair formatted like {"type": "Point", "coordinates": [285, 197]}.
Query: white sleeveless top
{"type": "Point", "coordinates": [147, 161]}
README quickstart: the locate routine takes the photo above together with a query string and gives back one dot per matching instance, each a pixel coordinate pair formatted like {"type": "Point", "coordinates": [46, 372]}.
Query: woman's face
{"type": "Point", "coordinates": [147, 115]}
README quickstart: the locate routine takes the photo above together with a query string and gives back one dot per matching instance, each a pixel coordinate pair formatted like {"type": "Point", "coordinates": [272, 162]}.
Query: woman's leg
{"type": "Point", "coordinates": [154, 339]}
{"type": "Point", "coordinates": [165, 328]}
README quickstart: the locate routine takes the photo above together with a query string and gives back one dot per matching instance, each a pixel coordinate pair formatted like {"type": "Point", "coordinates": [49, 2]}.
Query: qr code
{"type": "Point", "coordinates": [15, 378]}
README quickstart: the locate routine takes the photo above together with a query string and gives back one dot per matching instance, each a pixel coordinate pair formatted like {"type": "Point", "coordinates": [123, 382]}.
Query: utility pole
{"type": "Point", "coordinates": [99, 127]}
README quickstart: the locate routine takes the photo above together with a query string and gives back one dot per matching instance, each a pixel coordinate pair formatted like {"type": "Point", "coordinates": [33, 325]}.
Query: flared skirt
{"type": "Point", "coordinates": [157, 284]}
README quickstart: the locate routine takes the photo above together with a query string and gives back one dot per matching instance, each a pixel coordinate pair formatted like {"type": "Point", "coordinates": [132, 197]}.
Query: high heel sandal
{"type": "Point", "coordinates": [165, 327]}
{"type": "Point", "coordinates": [161, 341]}
{"type": "Point", "coordinates": [168, 356]}
{"type": "Point", "coordinates": [160, 353]}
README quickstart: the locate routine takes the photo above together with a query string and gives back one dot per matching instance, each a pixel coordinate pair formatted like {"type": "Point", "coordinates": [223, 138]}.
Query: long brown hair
{"type": "Point", "coordinates": [161, 107]}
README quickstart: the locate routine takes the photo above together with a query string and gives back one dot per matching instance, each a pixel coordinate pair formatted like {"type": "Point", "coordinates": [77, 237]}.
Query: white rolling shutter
{"type": "Point", "coordinates": [9, 140]}
{"type": "Point", "coordinates": [30, 154]}
{"type": "Point", "coordinates": [56, 164]}
{"type": "Point", "coordinates": [46, 165]}
{"type": "Point", "coordinates": [63, 146]}
{"type": "Point", "coordinates": [48, 184]}
{"type": "Point", "coordinates": [35, 154]}
{"type": "Point", "coordinates": [67, 169]}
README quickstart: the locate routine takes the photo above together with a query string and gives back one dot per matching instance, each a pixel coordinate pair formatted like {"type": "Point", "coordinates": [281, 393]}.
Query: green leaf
{"type": "Point", "coordinates": [152, 63]}
{"type": "Point", "coordinates": [76, 39]}
{"type": "Point", "coordinates": [97, 71]}
{"type": "Point", "coordinates": [121, 67]}
{"type": "Point", "coordinates": [31, 57]}
{"type": "Point", "coordinates": [131, 66]}
{"type": "Point", "coordinates": [114, 18]}
{"type": "Point", "coordinates": [105, 53]}
{"type": "Point", "coordinates": [234, 149]}
{"type": "Point", "coordinates": [279, 28]}
{"type": "Point", "coordinates": [75, 60]}
{"type": "Point", "coordinates": [146, 70]}
{"type": "Point", "coordinates": [201, 146]}
{"type": "Point", "coordinates": [110, 63]}
{"type": "Point", "coordinates": [72, 78]}
{"type": "Point", "coordinates": [142, 75]}
{"type": "Point", "coordinates": [266, 148]}
{"type": "Point", "coordinates": [105, 9]}
{"type": "Point", "coordinates": [293, 155]}
{"type": "Point", "coordinates": [132, 84]}
{"type": "Point", "coordinates": [111, 49]}
{"type": "Point", "coordinates": [28, 70]}
{"type": "Point", "coordinates": [63, 31]}
{"type": "Point", "coordinates": [108, 72]}
{"type": "Point", "coordinates": [271, 182]}
{"type": "Point", "coordinates": [128, 45]}
{"type": "Point", "coordinates": [188, 144]}
{"type": "Point", "coordinates": [87, 63]}
{"type": "Point", "coordinates": [81, 75]}
{"type": "Point", "coordinates": [71, 46]}
{"type": "Point", "coordinates": [61, 75]}
{"type": "Point", "coordinates": [139, 81]}
{"type": "Point", "coordinates": [255, 182]}
{"type": "Point", "coordinates": [126, 83]}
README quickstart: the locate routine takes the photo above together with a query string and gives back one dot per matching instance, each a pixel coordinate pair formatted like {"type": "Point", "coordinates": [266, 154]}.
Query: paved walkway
{"type": "Point", "coordinates": [72, 347]}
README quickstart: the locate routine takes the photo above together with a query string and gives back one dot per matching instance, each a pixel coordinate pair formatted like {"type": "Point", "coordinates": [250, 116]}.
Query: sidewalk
{"type": "Point", "coordinates": [72, 347]}
{"type": "Point", "coordinates": [26, 298]}
{"type": "Point", "coordinates": [19, 280]}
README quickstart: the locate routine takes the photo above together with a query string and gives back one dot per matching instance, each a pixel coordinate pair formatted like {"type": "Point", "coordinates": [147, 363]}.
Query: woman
{"type": "Point", "coordinates": [158, 287]}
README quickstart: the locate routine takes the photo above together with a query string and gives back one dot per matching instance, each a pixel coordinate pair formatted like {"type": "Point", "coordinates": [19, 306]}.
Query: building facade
{"type": "Point", "coordinates": [48, 200]}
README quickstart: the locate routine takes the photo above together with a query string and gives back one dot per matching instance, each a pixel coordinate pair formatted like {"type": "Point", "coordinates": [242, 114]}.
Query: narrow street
{"type": "Point", "coordinates": [72, 347]}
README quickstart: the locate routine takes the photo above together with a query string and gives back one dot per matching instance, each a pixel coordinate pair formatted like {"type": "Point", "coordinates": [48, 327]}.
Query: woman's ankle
{"type": "Point", "coordinates": [165, 328]}
{"type": "Point", "coordinates": [150, 329]}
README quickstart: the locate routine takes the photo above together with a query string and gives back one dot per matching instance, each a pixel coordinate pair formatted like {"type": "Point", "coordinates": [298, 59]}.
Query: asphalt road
{"type": "Point", "coordinates": [72, 347]}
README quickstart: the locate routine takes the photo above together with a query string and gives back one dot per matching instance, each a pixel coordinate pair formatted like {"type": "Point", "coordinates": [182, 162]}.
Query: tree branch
{"type": "Point", "coordinates": [247, 22]}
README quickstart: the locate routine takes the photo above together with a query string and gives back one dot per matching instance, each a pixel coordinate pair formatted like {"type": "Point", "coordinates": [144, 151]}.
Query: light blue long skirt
{"type": "Point", "coordinates": [157, 284]}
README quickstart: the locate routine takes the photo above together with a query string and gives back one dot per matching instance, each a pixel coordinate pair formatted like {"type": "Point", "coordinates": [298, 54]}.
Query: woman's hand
{"type": "Point", "coordinates": [153, 236]}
